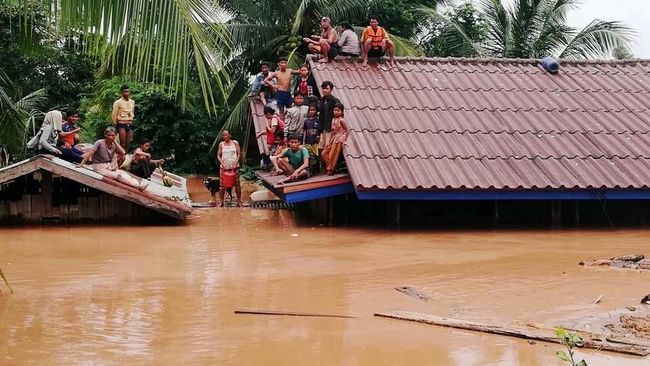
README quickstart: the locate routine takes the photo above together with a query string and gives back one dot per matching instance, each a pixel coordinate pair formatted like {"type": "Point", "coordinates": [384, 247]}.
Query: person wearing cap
{"type": "Point", "coordinates": [349, 41]}
{"type": "Point", "coordinates": [326, 112]}
{"type": "Point", "coordinates": [326, 44]}
{"type": "Point", "coordinates": [376, 42]}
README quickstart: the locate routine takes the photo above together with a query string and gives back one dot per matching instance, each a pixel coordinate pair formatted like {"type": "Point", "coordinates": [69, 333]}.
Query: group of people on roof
{"type": "Point", "coordinates": [303, 127]}
{"type": "Point", "coordinates": [59, 136]}
{"type": "Point", "coordinates": [343, 41]}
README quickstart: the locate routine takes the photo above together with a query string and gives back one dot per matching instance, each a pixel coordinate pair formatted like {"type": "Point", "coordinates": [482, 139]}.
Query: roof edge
{"type": "Point", "coordinates": [510, 61]}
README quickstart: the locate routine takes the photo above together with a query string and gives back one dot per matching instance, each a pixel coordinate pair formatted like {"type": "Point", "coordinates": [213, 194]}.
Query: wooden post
{"type": "Point", "coordinates": [398, 213]}
{"type": "Point", "coordinates": [556, 214]}
{"type": "Point", "coordinates": [46, 192]}
{"type": "Point", "coordinates": [249, 122]}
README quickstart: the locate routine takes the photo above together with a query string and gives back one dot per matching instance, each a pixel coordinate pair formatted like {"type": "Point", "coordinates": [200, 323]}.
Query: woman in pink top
{"type": "Point", "coordinates": [335, 144]}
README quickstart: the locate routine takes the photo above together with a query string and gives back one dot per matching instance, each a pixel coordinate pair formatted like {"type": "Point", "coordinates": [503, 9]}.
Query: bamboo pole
{"type": "Point", "coordinates": [290, 313]}
{"type": "Point", "coordinates": [543, 335]}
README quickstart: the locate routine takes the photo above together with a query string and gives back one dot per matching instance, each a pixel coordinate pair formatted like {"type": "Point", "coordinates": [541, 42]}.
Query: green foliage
{"type": "Point", "coordinates": [185, 133]}
{"type": "Point", "coordinates": [569, 340]}
{"type": "Point", "coordinates": [45, 60]}
{"type": "Point", "coordinates": [170, 42]}
{"type": "Point", "coordinates": [454, 32]}
{"type": "Point", "coordinates": [399, 17]}
{"type": "Point", "coordinates": [247, 172]}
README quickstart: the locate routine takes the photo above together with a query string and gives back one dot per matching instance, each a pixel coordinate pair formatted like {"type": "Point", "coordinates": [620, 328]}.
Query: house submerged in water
{"type": "Point", "coordinates": [489, 134]}
{"type": "Point", "coordinates": [45, 188]}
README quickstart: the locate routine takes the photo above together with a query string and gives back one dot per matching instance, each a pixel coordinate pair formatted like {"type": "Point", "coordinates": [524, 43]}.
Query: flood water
{"type": "Point", "coordinates": [166, 295]}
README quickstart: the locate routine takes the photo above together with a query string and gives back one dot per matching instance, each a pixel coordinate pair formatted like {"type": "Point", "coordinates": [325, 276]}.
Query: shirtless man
{"type": "Point", "coordinates": [282, 86]}
{"type": "Point", "coordinates": [326, 44]}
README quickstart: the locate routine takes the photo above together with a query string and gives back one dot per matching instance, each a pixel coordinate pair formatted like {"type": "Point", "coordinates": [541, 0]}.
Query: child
{"type": "Point", "coordinates": [296, 164]}
{"type": "Point", "coordinates": [274, 126]}
{"type": "Point", "coordinates": [295, 116]}
{"type": "Point", "coordinates": [282, 145]}
{"type": "Point", "coordinates": [310, 135]}
{"type": "Point", "coordinates": [339, 135]}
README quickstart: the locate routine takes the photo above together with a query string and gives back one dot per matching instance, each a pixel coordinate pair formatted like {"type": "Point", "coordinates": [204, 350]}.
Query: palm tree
{"type": "Point", "coordinates": [164, 41]}
{"type": "Point", "coordinates": [262, 30]}
{"type": "Point", "coordinates": [18, 114]}
{"type": "Point", "coordinates": [539, 28]}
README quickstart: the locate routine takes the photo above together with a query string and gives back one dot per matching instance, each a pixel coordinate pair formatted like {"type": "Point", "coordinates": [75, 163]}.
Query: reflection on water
{"type": "Point", "coordinates": [166, 295]}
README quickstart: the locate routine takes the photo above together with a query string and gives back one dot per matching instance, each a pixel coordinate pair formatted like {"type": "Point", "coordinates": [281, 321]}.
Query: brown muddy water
{"type": "Point", "coordinates": [166, 295]}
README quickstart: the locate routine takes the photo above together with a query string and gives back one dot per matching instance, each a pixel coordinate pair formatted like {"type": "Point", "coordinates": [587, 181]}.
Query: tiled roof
{"type": "Point", "coordinates": [495, 124]}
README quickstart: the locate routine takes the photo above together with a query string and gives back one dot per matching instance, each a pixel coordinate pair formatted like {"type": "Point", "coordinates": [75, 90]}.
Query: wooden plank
{"type": "Point", "coordinates": [14, 171]}
{"type": "Point", "coordinates": [413, 292]}
{"type": "Point", "coordinates": [313, 185]}
{"type": "Point", "coordinates": [290, 313]}
{"type": "Point", "coordinates": [543, 335]}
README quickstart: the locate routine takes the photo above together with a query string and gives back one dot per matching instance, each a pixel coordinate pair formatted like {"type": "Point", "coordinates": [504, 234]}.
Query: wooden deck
{"type": "Point", "coordinates": [316, 187]}
{"type": "Point", "coordinates": [31, 180]}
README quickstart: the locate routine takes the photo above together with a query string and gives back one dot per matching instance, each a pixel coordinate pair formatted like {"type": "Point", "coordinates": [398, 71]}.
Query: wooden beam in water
{"type": "Point", "coordinates": [290, 313]}
{"type": "Point", "coordinates": [543, 335]}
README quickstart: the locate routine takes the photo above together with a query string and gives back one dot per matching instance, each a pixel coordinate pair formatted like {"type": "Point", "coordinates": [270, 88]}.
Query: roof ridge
{"type": "Point", "coordinates": [508, 109]}
{"type": "Point", "coordinates": [485, 157]}
{"type": "Point", "coordinates": [515, 61]}
{"type": "Point", "coordinates": [498, 132]}
{"type": "Point", "coordinates": [491, 88]}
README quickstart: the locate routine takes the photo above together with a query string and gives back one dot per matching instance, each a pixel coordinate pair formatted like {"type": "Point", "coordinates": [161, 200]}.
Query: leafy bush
{"type": "Point", "coordinates": [186, 133]}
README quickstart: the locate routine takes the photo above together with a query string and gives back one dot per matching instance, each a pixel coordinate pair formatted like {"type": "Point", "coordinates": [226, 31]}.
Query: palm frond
{"type": "Point", "coordinates": [161, 41]}
{"type": "Point", "coordinates": [405, 47]}
{"type": "Point", "coordinates": [598, 39]}
{"type": "Point", "coordinates": [458, 42]}
{"type": "Point", "coordinates": [499, 28]}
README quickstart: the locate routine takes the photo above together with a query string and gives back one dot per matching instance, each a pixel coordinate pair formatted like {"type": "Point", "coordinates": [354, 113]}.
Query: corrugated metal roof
{"type": "Point", "coordinates": [495, 124]}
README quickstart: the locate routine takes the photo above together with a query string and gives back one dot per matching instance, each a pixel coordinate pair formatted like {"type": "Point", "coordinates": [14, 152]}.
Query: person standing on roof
{"type": "Point", "coordinates": [326, 112]}
{"type": "Point", "coordinates": [123, 114]}
{"type": "Point", "coordinates": [349, 41]}
{"type": "Point", "coordinates": [283, 87]}
{"type": "Point", "coordinates": [306, 85]}
{"type": "Point", "coordinates": [295, 117]}
{"type": "Point", "coordinates": [334, 146]}
{"type": "Point", "coordinates": [258, 89]}
{"type": "Point", "coordinates": [327, 44]}
{"type": "Point", "coordinates": [376, 42]}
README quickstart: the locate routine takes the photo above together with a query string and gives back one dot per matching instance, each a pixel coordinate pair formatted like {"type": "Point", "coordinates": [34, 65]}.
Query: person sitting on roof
{"type": "Point", "coordinates": [349, 41]}
{"type": "Point", "coordinates": [259, 89]}
{"type": "Point", "coordinates": [69, 137]}
{"type": "Point", "coordinates": [376, 42]}
{"type": "Point", "coordinates": [142, 164]}
{"type": "Point", "coordinates": [295, 116]}
{"type": "Point", "coordinates": [296, 164]}
{"type": "Point", "coordinates": [326, 44]}
{"type": "Point", "coordinates": [334, 146]}
{"type": "Point", "coordinates": [306, 85]}
{"type": "Point", "coordinates": [283, 87]}
{"type": "Point", "coordinates": [103, 159]}
{"type": "Point", "coordinates": [45, 140]}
